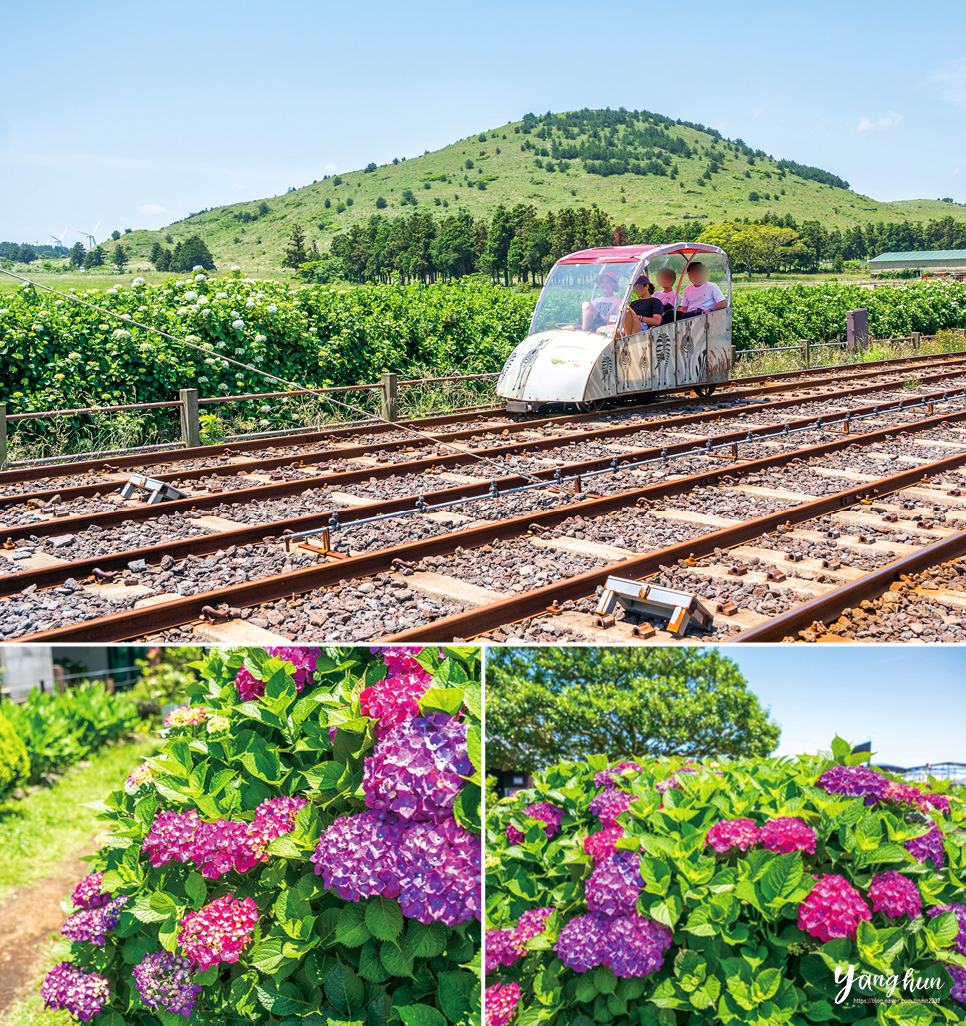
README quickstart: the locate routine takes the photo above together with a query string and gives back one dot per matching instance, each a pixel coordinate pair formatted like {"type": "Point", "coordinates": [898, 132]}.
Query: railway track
{"type": "Point", "coordinates": [429, 542]}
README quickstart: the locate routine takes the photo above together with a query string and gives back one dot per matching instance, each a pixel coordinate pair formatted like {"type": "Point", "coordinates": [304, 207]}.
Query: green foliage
{"type": "Point", "coordinates": [14, 762]}
{"type": "Point", "coordinates": [165, 677]}
{"type": "Point", "coordinates": [62, 728]}
{"type": "Point", "coordinates": [548, 704]}
{"type": "Point", "coordinates": [738, 955]}
{"type": "Point", "coordinates": [314, 957]}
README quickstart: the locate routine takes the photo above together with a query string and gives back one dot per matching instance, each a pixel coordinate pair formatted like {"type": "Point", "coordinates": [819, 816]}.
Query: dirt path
{"type": "Point", "coordinates": [27, 919]}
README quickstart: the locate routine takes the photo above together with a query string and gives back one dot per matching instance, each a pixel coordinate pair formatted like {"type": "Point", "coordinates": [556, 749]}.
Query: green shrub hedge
{"type": "Point", "coordinates": [14, 763]}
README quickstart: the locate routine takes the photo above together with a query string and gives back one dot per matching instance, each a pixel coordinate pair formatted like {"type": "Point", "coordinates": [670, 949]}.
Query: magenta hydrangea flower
{"type": "Point", "coordinates": [273, 818]}
{"type": "Point", "coordinates": [186, 716]}
{"type": "Point", "coordinates": [608, 777]}
{"type": "Point", "coordinates": [583, 942]}
{"type": "Point", "coordinates": [417, 768]}
{"type": "Point", "coordinates": [894, 894]}
{"type": "Point", "coordinates": [615, 885]}
{"type": "Point", "coordinates": [636, 945]}
{"type": "Point", "coordinates": [506, 946]}
{"type": "Point", "coordinates": [219, 847]}
{"type": "Point", "coordinates": [94, 924]}
{"type": "Point", "coordinates": [500, 1003]}
{"type": "Point", "coordinates": [929, 846]}
{"type": "Point", "coordinates": [903, 794]}
{"type": "Point", "coordinates": [603, 845]}
{"type": "Point", "coordinates": [166, 983]}
{"type": "Point", "coordinates": [609, 804]}
{"type": "Point", "coordinates": [545, 812]}
{"type": "Point", "coordinates": [394, 699]}
{"type": "Point", "coordinates": [219, 932]}
{"type": "Point", "coordinates": [939, 802]}
{"type": "Point", "coordinates": [785, 834]}
{"type": "Point", "coordinates": [302, 659]}
{"type": "Point", "coordinates": [532, 922]}
{"type": "Point", "coordinates": [732, 835]}
{"type": "Point", "coordinates": [75, 991]}
{"type": "Point", "coordinates": [959, 911]}
{"type": "Point", "coordinates": [833, 909]}
{"type": "Point", "coordinates": [853, 781]}
{"type": "Point", "coordinates": [249, 687]}
{"type": "Point", "coordinates": [88, 893]}
{"type": "Point", "coordinates": [171, 837]}
{"type": "Point", "coordinates": [401, 660]}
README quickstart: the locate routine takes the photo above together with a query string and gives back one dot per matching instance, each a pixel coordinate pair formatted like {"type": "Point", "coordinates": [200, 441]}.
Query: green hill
{"type": "Point", "coordinates": [639, 167]}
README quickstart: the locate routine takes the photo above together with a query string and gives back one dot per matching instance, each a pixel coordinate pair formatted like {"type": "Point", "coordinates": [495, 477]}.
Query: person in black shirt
{"type": "Point", "coordinates": [643, 311]}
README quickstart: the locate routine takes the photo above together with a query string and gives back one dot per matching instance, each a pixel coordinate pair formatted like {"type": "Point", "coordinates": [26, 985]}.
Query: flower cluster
{"type": "Point", "coordinates": [785, 834]}
{"type": "Point", "coordinates": [394, 699]}
{"type": "Point", "coordinates": [303, 661]}
{"type": "Point", "coordinates": [217, 848]}
{"type": "Point", "coordinates": [608, 777]}
{"type": "Point", "coordinates": [94, 924]}
{"type": "Point", "coordinates": [603, 844]}
{"type": "Point", "coordinates": [833, 909]}
{"type": "Point", "coordinates": [186, 716]}
{"type": "Point", "coordinates": [249, 687]}
{"type": "Point", "coordinates": [615, 885]}
{"type": "Point", "coordinates": [500, 1002]}
{"type": "Point", "coordinates": [545, 812]}
{"type": "Point", "coordinates": [609, 804]}
{"type": "Point", "coordinates": [894, 894]}
{"type": "Point", "coordinates": [632, 945]}
{"type": "Point", "coordinates": [140, 776]}
{"type": "Point", "coordinates": [401, 660]}
{"type": "Point", "coordinates": [417, 768]}
{"type": "Point", "coordinates": [731, 834]}
{"type": "Point", "coordinates": [854, 782]}
{"type": "Point", "coordinates": [219, 932]}
{"type": "Point", "coordinates": [166, 983]}
{"type": "Point", "coordinates": [88, 893]}
{"type": "Point", "coordinates": [433, 869]}
{"type": "Point", "coordinates": [929, 846]}
{"type": "Point", "coordinates": [672, 783]}
{"type": "Point", "coordinates": [82, 994]}
{"type": "Point", "coordinates": [504, 947]}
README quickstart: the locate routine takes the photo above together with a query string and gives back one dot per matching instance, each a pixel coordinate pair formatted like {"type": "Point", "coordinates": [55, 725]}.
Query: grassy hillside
{"type": "Point", "coordinates": [516, 164]}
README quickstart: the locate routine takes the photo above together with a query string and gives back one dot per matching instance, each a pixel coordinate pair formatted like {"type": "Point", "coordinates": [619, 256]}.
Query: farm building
{"type": "Point", "coordinates": [24, 667]}
{"type": "Point", "coordinates": [940, 261]}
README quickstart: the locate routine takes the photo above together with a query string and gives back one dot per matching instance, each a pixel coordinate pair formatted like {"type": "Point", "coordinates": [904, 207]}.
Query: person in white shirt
{"type": "Point", "coordinates": [603, 309]}
{"type": "Point", "coordinates": [701, 295]}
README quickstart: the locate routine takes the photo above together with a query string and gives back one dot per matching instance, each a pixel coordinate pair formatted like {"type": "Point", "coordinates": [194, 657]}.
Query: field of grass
{"type": "Point", "coordinates": [442, 184]}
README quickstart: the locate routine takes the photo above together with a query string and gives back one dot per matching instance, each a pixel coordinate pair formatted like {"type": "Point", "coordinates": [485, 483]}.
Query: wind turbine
{"type": "Point", "coordinates": [90, 235]}
{"type": "Point", "coordinates": [59, 243]}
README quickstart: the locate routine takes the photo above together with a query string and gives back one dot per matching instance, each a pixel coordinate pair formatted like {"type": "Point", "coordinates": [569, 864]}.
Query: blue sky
{"type": "Point", "coordinates": [909, 701]}
{"type": "Point", "coordinates": [135, 115]}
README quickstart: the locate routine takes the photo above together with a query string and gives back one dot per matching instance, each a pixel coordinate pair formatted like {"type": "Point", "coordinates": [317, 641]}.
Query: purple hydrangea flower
{"type": "Point", "coordinates": [88, 893]}
{"type": "Point", "coordinates": [546, 812]}
{"type": "Point", "coordinates": [896, 895]}
{"type": "Point", "coordinates": [94, 924]}
{"type": "Point", "coordinates": [358, 856]}
{"type": "Point", "coordinates": [959, 943]}
{"type": "Point", "coordinates": [417, 768]}
{"type": "Point", "coordinates": [583, 942]}
{"type": "Point", "coordinates": [166, 983]}
{"type": "Point", "coordinates": [609, 804]}
{"type": "Point", "coordinates": [958, 973]}
{"type": "Point", "coordinates": [302, 659]}
{"type": "Point", "coordinates": [615, 885]}
{"type": "Point", "coordinates": [672, 783]}
{"type": "Point", "coordinates": [929, 846]}
{"type": "Point", "coordinates": [608, 777]}
{"type": "Point", "coordinates": [854, 781]}
{"type": "Point", "coordinates": [82, 994]}
{"type": "Point", "coordinates": [636, 945]}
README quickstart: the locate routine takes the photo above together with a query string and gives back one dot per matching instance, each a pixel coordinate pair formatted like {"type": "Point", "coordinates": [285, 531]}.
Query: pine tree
{"type": "Point", "coordinates": [296, 252]}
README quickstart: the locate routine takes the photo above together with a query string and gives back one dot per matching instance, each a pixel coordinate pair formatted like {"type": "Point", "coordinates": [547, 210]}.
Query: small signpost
{"type": "Point", "coordinates": [858, 328]}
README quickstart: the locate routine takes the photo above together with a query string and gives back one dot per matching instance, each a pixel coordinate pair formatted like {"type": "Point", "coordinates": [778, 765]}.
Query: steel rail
{"type": "Point", "coordinates": [532, 603]}
{"type": "Point", "coordinates": [805, 376]}
{"type": "Point", "coordinates": [68, 492]}
{"type": "Point", "coordinates": [211, 500]}
{"type": "Point", "coordinates": [137, 623]}
{"type": "Point", "coordinates": [829, 606]}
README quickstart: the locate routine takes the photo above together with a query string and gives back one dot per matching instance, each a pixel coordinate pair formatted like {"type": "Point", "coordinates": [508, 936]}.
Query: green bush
{"type": "Point", "coordinates": [14, 764]}
{"type": "Point", "coordinates": [768, 891]}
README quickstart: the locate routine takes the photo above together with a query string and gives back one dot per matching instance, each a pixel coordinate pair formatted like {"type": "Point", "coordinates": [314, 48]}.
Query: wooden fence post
{"type": "Point", "coordinates": [915, 336]}
{"type": "Point", "coordinates": [190, 422]}
{"type": "Point", "coordinates": [3, 437]}
{"type": "Point", "coordinates": [390, 392]}
{"type": "Point", "coordinates": [808, 352]}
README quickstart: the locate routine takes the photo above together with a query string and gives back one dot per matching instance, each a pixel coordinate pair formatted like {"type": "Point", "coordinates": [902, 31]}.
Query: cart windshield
{"type": "Point", "coordinates": [568, 289]}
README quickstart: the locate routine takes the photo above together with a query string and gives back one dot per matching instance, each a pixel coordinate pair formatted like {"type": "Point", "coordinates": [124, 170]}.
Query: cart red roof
{"type": "Point", "coordinates": [634, 254]}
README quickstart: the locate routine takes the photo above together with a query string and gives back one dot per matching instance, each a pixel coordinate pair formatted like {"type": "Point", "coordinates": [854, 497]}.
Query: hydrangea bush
{"type": "Point", "coordinates": [768, 891]}
{"type": "Point", "coordinates": [303, 850]}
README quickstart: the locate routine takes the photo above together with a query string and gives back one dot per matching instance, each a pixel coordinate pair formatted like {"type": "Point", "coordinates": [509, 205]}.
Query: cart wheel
{"type": "Point", "coordinates": [592, 406]}
{"type": "Point", "coordinates": [703, 391]}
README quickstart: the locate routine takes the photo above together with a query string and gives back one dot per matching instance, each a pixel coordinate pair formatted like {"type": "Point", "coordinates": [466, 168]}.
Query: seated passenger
{"type": "Point", "coordinates": [603, 310]}
{"type": "Point", "coordinates": [701, 295]}
{"type": "Point", "coordinates": [667, 294]}
{"type": "Point", "coordinates": [644, 311]}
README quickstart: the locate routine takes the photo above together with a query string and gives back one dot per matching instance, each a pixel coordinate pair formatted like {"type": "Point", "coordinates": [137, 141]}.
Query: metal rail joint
{"type": "Point", "coordinates": [679, 608]}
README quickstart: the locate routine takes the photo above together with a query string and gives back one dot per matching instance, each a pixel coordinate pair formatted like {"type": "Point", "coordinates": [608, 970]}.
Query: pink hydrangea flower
{"type": "Point", "coordinates": [894, 894]}
{"type": "Point", "coordinates": [249, 687]}
{"type": "Point", "coordinates": [88, 893]}
{"type": "Point", "coordinates": [139, 777]}
{"type": "Point", "coordinates": [833, 909]}
{"type": "Point", "coordinates": [786, 834]}
{"type": "Point", "coordinates": [732, 834]}
{"type": "Point", "coordinates": [171, 837]}
{"type": "Point", "coordinates": [603, 845]}
{"type": "Point", "coordinates": [609, 804]}
{"type": "Point", "coordinates": [903, 794]}
{"type": "Point", "coordinates": [546, 812]}
{"type": "Point", "coordinates": [186, 716]}
{"type": "Point", "coordinates": [219, 932]}
{"type": "Point", "coordinates": [80, 993]}
{"type": "Point", "coordinates": [608, 777]}
{"type": "Point", "coordinates": [937, 801]}
{"type": "Point", "coordinates": [500, 1003]}
{"type": "Point", "coordinates": [400, 659]}
{"type": "Point", "coordinates": [394, 699]}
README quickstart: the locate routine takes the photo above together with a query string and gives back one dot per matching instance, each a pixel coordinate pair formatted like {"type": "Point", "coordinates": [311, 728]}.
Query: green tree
{"type": "Point", "coordinates": [120, 257]}
{"type": "Point", "coordinates": [27, 254]}
{"type": "Point", "coordinates": [94, 258]}
{"type": "Point", "coordinates": [546, 705]}
{"type": "Point", "coordinates": [156, 251]}
{"type": "Point", "coordinates": [190, 254]}
{"type": "Point", "coordinates": [295, 253]}
{"type": "Point", "coordinates": [115, 235]}
{"type": "Point", "coordinates": [76, 258]}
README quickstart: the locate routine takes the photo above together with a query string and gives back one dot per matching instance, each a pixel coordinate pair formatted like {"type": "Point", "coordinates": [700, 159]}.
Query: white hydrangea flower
{"type": "Point", "coordinates": [221, 295]}
{"type": "Point", "coordinates": [192, 338]}
{"type": "Point", "coordinates": [238, 325]}
{"type": "Point", "coordinates": [217, 724]}
{"type": "Point", "coordinates": [239, 352]}
{"type": "Point", "coordinates": [202, 300]}
{"type": "Point", "coordinates": [249, 303]}
{"type": "Point", "coordinates": [120, 333]}
{"type": "Point", "coordinates": [260, 338]}
{"type": "Point", "coordinates": [138, 281]}
{"type": "Point", "coordinates": [235, 267]}
{"type": "Point", "coordinates": [190, 297]}
{"type": "Point", "coordinates": [200, 277]}
{"type": "Point", "coordinates": [272, 308]}
{"type": "Point", "coordinates": [202, 380]}
{"type": "Point", "coordinates": [196, 268]}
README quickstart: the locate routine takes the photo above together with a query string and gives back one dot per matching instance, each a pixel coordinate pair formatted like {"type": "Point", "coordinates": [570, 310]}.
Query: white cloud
{"type": "Point", "coordinates": [331, 167]}
{"type": "Point", "coordinates": [889, 121]}
{"type": "Point", "coordinates": [235, 185]}
{"type": "Point", "coordinates": [956, 172]}
{"type": "Point", "coordinates": [152, 208]}
{"type": "Point", "coordinates": [949, 81]}
{"type": "Point", "coordinates": [757, 113]}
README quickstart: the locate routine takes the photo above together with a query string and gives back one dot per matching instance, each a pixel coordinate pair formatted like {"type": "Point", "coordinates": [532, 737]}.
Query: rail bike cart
{"type": "Point", "coordinates": [559, 362]}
